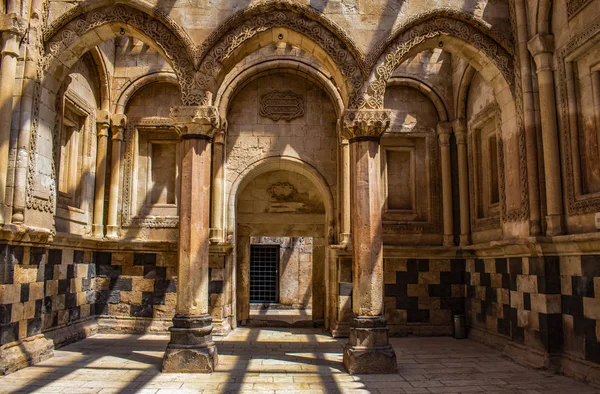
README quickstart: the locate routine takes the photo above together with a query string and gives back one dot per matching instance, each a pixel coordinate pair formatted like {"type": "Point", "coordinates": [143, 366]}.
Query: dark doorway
{"type": "Point", "coordinates": [264, 273]}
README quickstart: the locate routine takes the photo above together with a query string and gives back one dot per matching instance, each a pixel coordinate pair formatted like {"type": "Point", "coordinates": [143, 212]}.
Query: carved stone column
{"type": "Point", "coordinates": [218, 198]}
{"type": "Point", "coordinates": [460, 131]}
{"type": "Point", "coordinates": [368, 349]}
{"type": "Point", "coordinates": [118, 122]}
{"type": "Point", "coordinates": [444, 131]}
{"type": "Point", "coordinates": [191, 348]}
{"type": "Point", "coordinates": [8, 69]}
{"type": "Point", "coordinates": [542, 48]}
{"type": "Point", "coordinates": [345, 193]}
{"type": "Point", "coordinates": [102, 125]}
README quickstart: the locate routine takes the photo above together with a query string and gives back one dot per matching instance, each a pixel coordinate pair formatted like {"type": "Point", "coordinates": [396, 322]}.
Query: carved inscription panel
{"type": "Point", "coordinates": [278, 105]}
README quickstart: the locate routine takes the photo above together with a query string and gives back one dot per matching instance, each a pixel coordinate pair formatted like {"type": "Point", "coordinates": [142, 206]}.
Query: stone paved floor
{"type": "Point", "coordinates": [281, 361]}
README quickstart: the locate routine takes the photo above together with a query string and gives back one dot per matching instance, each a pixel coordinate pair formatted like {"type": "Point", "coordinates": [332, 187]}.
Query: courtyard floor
{"type": "Point", "coordinates": [261, 360]}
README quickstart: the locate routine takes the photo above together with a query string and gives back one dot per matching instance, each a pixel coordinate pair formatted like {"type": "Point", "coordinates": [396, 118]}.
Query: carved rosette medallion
{"type": "Point", "coordinates": [278, 105]}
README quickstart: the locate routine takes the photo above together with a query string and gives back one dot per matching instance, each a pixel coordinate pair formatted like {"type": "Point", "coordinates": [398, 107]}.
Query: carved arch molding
{"type": "Point", "coordinates": [198, 67]}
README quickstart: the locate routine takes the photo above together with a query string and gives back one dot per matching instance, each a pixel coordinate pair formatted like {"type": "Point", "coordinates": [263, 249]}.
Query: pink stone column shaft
{"type": "Point", "coordinates": [367, 251]}
{"type": "Point", "coordinates": [194, 198]}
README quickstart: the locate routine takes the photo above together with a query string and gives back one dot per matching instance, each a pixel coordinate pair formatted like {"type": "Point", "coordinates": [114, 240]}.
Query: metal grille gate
{"type": "Point", "coordinates": [264, 273]}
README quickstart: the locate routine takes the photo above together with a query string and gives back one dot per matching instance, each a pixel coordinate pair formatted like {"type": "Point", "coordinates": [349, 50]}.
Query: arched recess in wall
{"type": "Point", "coordinates": [282, 23]}
{"type": "Point", "coordinates": [134, 86]}
{"type": "Point", "coordinates": [466, 37]}
{"type": "Point", "coordinates": [456, 32]}
{"type": "Point", "coordinates": [66, 41]}
{"type": "Point", "coordinates": [236, 82]}
{"type": "Point", "coordinates": [277, 163]}
{"type": "Point", "coordinates": [100, 61]}
{"type": "Point", "coordinates": [463, 90]}
{"type": "Point", "coordinates": [426, 90]}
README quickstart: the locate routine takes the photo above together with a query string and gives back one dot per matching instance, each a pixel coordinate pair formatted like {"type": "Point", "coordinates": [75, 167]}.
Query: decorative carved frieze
{"type": "Point", "coordinates": [419, 29]}
{"type": "Point", "coordinates": [574, 6]}
{"type": "Point", "coordinates": [278, 105]}
{"type": "Point", "coordinates": [365, 123]}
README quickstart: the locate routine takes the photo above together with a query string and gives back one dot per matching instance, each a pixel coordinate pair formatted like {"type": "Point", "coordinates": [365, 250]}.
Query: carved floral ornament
{"type": "Point", "coordinates": [194, 120]}
{"type": "Point", "coordinates": [370, 123]}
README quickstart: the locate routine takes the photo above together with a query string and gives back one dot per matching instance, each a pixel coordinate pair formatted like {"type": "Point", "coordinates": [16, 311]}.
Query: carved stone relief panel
{"type": "Point", "coordinates": [151, 174]}
{"type": "Point", "coordinates": [578, 69]}
{"type": "Point", "coordinates": [74, 160]}
{"type": "Point", "coordinates": [486, 177]}
{"type": "Point", "coordinates": [411, 193]}
{"type": "Point", "coordinates": [278, 105]}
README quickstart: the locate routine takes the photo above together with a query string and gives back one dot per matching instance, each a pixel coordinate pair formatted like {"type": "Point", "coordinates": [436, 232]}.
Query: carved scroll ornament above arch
{"type": "Point", "coordinates": [263, 16]}
{"type": "Point", "coordinates": [428, 26]}
{"type": "Point", "coordinates": [178, 51]}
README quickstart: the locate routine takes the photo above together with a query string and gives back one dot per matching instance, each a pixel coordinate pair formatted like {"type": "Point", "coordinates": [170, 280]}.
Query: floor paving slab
{"type": "Point", "coordinates": [280, 361]}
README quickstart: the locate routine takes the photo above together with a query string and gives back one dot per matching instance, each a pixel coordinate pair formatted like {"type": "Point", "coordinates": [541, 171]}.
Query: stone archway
{"type": "Point", "coordinates": [284, 202]}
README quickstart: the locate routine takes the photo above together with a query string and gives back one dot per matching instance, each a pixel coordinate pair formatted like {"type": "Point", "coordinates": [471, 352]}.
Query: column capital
{"type": "Point", "coordinates": [102, 123]}
{"type": "Point", "coordinates": [12, 23]}
{"type": "Point", "coordinates": [196, 121]}
{"type": "Point", "coordinates": [118, 123]}
{"type": "Point", "coordinates": [460, 130]}
{"type": "Point", "coordinates": [541, 48]}
{"type": "Point", "coordinates": [357, 124]}
{"type": "Point", "coordinates": [541, 43]}
{"type": "Point", "coordinates": [444, 130]}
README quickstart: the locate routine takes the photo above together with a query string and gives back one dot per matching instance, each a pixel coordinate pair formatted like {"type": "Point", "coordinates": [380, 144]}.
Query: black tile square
{"type": "Point", "coordinates": [78, 257]}
{"type": "Point", "coordinates": [144, 259]}
{"type": "Point", "coordinates": [501, 266]}
{"type": "Point", "coordinates": [123, 284]}
{"type": "Point", "coordinates": [417, 316]}
{"type": "Point", "coordinates": [5, 313]}
{"type": "Point", "coordinates": [583, 286]}
{"type": "Point", "coordinates": [590, 265]}
{"type": "Point", "coordinates": [37, 256]}
{"type": "Point", "coordinates": [515, 265]}
{"type": "Point", "coordinates": [34, 326]}
{"type": "Point", "coordinates": [25, 292]}
{"type": "Point", "coordinates": [458, 265]}
{"type": "Point", "coordinates": [442, 290]}
{"type": "Point", "coordinates": [54, 256]}
{"type": "Point", "coordinates": [551, 331]}
{"type": "Point", "coordinates": [527, 301]}
{"type": "Point", "coordinates": [102, 258]}
{"type": "Point", "coordinates": [141, 310]}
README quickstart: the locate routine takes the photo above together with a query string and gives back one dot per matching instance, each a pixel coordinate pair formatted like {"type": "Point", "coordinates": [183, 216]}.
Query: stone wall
{"type": "Point", "coordinates": [137, 292]}
{"type": "Point", "coordinates": [541, 311]}
{"type": "Point", "coordinates": [423, 295]}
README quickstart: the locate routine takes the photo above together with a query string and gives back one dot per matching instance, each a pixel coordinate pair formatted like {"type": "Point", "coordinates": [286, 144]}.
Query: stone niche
{"type": "Point", "coordinates": [283, 208]}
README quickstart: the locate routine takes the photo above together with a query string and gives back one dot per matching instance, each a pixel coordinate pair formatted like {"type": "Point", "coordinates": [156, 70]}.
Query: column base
{"type": "Point", "coordinates": [554, 225]}
{"type": "Point", "coordinates": [191, 348]}
{"type": "Point", "coordinates": [98, 230]}
{"type": "Point", "coordinates": [368, 350]}
{"type": "Point", "coordinates": [465, 239]}
{"type": "Point", "coordinates": [448, 240]}
{"type": "Point", "coordinates": [112, 232]}
{"type": "Point", "coordinates": [215, 235]}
